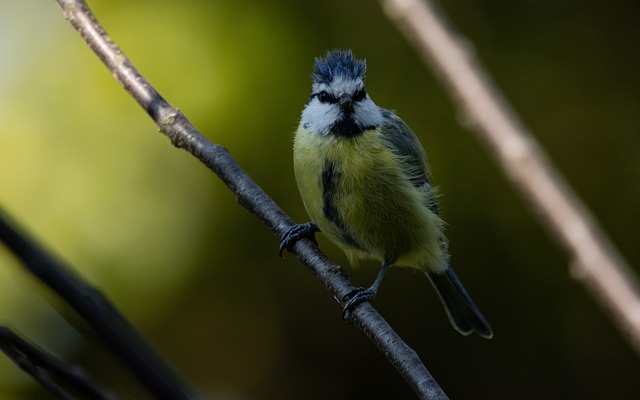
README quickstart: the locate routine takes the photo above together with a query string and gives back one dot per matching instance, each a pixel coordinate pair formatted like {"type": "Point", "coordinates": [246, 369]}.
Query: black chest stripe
{"type": "Point", "coordinates": [330, 181]}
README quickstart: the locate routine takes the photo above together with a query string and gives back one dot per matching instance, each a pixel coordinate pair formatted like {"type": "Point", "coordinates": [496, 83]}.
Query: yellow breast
{"type": "Point", "coordinates": [358, 192]}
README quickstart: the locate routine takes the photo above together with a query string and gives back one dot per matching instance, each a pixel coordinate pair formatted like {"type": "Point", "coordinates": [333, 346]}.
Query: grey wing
{"type": "Point", "coordinates": [405, 143]}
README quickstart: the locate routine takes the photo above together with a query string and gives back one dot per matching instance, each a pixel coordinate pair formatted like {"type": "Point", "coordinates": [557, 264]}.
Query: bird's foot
{"type": "Point", "coordinates": [297, 232]}
{"type": "Point", "coordinates": [356, 297]}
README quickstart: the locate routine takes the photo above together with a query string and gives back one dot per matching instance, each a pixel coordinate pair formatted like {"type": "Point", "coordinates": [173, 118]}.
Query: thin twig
{"type": "Point", "coordinates": [184, 135]}
{"type": "Point", "coordinates": [594, 259]}
{"type": "Point", "coordinates": [36, 362]}
{"type": "Point", "coordinates": [98, 312]}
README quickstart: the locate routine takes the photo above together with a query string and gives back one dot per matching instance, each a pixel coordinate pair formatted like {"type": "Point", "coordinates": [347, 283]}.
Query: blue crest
{"type": "Point", "coordinates": [338, 63]}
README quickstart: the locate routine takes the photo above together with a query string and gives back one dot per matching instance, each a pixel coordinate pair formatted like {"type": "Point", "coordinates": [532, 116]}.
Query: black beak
{"type": "Point", "coordinates": [346, 103]}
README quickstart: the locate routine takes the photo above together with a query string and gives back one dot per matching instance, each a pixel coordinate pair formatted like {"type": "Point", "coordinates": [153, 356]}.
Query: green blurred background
{"type": "Point", "coordinates": [85, 170]}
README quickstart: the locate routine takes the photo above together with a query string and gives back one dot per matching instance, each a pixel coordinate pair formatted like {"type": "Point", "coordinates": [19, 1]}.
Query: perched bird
{"type": "Point", "coordinates": [364, 180]}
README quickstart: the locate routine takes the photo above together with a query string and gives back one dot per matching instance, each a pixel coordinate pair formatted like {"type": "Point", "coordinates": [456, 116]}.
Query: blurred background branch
{"type": "Point", "coordinates": [44, 368]}
{"type": "Point", "coordinates": [593, 258]}
{"type": "Point", "coordinates": [118, 334]}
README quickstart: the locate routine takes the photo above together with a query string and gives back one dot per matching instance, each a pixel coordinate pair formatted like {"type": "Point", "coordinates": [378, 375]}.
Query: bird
{"type": "Point", "coordinates": [365, 182]}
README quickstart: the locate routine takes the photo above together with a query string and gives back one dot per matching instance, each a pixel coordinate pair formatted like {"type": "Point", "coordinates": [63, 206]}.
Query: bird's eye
{"type": "Point", "coordinates": [325, 97]}
{"type": "Point", "coordinates": [359, 95]}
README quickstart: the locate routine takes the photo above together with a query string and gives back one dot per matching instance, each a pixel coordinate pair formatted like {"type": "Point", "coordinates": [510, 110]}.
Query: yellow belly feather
{"type": "Point", "coordinates": [376, 202]}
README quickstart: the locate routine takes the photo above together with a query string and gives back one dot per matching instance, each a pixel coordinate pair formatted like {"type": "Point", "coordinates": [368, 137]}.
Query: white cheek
{"type": "Point", "coordinates": [319, 117]}
{"type": "Point", "coordinates": [368, 114]}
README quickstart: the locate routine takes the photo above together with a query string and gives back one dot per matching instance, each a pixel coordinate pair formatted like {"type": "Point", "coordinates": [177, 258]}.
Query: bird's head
{"type": "Point", "coordinates": [339, 103]}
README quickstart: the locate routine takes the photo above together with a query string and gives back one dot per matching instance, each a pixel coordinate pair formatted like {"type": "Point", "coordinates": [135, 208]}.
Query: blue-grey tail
{"type": "Point", "coordinates": [462, 312]}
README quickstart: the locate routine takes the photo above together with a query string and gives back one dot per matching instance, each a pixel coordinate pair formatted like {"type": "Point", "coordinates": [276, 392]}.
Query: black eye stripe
{"type": "Point", "coordinates": [359, 95]}
{"type": "Point", "coordinates": [326, 97]}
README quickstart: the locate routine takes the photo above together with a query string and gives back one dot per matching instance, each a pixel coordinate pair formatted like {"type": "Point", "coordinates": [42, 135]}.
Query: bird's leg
{"type": "Point", "coordinates": [360, 295]}
{"type": "Point", "coordinates": [297, 232]}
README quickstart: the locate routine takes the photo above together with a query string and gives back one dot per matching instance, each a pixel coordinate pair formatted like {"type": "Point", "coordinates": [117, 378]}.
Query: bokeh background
{"type": "Point", "coordinates": [85, 171]}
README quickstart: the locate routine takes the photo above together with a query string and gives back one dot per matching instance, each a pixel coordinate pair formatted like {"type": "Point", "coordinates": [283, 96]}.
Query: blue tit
{"type": "Point", "coordinates": [364, 180]}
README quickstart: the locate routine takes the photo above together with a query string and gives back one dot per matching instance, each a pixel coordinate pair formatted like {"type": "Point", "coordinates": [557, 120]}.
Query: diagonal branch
{"type": "Point", "coordinates": [40, 365]}
{"type": "Point", "coordinates": [97, 311]}
{"type": "Point", "coordinates": [594, 259]}
{"type": "Point", "coordinates": [184, 135]}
